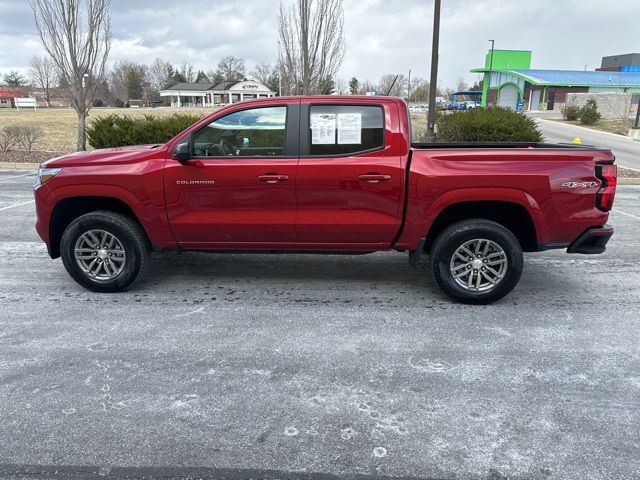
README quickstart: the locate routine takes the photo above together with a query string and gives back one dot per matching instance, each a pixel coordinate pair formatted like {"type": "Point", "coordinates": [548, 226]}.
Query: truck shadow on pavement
{"type": "Point", "coordinates": [74, 472]}
{"type": "Point", "coordinates": [387, 274]}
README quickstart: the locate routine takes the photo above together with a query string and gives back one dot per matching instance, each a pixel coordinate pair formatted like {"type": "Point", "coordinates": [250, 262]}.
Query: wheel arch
{"type": "Point", "coordinates": [68, 209]}
{"type": "Point", "coordinates": [511, 215]}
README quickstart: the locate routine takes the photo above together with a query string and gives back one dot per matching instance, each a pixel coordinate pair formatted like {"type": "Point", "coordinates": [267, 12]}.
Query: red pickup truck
{"type": "Point", "coordinates": [325, 174]}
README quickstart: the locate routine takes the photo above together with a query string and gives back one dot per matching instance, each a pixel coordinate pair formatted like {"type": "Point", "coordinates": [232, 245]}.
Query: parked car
{"type": "Point", "coordinates": [325, 174]}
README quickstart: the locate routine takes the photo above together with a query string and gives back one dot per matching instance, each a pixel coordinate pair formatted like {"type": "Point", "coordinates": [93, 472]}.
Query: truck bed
{"type": "Point", "coordinates": [505, 145]}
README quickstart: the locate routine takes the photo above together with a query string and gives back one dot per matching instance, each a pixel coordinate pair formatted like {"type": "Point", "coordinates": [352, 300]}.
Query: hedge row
{"type": "Point", "coordinates": [120, 130]}
{"type": "Point", "coordinates": [494, 124]}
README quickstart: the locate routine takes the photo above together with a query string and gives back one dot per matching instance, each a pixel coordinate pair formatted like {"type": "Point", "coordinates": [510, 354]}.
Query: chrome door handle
{"type": "Point", "coordinates": [374, 177]}
{"type": "Point", "coordinates": [273, 178]}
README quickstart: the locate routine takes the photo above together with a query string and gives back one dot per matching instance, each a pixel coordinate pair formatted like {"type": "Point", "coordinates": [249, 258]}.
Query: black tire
{"type": "Point", "coordinates": [453, 237]}
{"type": "Point", "coordinates": [128, 233]}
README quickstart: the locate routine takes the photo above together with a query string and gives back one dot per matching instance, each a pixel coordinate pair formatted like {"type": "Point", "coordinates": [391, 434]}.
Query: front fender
{"type": "Point", "coordinates": [149, 212]}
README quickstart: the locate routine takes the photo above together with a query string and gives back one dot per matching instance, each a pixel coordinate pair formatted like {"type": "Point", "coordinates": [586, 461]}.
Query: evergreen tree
{"type": "Point", "coordinates": [354, 86]}
{"type": "Point", "coordinates": [15, 79]}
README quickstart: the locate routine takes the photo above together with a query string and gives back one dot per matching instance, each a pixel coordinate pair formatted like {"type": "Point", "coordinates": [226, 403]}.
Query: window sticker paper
{"type": "Point", "coordinates": [349, 128]}
{"type": "Point", "coordinates": [323, 129]}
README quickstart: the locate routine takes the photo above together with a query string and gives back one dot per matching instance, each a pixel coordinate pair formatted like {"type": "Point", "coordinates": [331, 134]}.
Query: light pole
{"type": "Point", "coordinates": [487, 87]}
{"type": "Point", "coordinates": [279, 71]}
{"type": "Point", "coordinates": [409, 87]}
{"type": "Point", "coordinates": [431, 113]}
{"type": "Point", "coordinates": [493, 42]}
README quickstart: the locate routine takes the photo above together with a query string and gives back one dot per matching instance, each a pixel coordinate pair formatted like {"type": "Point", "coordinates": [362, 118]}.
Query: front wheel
{"type": "Point", "coordinates": [476, 261]}
{"type": "Point", "coordinates": [104, 251]}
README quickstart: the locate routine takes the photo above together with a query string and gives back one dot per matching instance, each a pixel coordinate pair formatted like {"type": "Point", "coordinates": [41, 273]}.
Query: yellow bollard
{"type": "Point", "coordinates": [577, 141]}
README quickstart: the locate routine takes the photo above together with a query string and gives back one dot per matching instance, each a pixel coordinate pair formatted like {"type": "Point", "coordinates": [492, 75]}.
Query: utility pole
{"type": "Point", "coordinates": [431, 115]}
{"type": "Point", "coordinates": [409, 87]}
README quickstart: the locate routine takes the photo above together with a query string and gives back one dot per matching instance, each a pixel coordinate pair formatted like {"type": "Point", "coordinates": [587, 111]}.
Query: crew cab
{"type": "Point", "coordinates": [325, 174]}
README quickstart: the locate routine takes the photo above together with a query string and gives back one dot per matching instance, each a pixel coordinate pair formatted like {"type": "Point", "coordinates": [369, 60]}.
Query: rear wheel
{"type": "Point", "coordinates": [104, 251]}
{"type": "Point", "coordinates": [476, 261]}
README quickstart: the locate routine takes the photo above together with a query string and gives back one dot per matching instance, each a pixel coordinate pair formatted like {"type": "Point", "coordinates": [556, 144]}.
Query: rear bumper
{"type": "Point", "coordinates": [592, 241]}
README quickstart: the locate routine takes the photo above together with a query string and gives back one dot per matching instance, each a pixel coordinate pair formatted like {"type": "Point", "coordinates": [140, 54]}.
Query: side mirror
{"type": "Point", "coordinates": [182, 152]}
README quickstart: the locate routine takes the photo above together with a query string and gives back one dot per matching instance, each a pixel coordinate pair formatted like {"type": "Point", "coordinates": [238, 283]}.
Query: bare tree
{"type": "Point", "coordinates": [77, 37]}
{"type": "Point", "coordinates": [312, 38]}
{"type": "Point", "coordinates": [160, 74]}
{"type": "Point", "coordinates": [386, 86]}
{"type": "Point", "coordinates": [229, 68]}
{"type": "Point", "coordinates": [419, 90]}
{"type": "Point", "coordinates": [263, 73]}
{"type": "Point", "coordinates": [461, 84]}
{"type": "Point", "coordinates": [43, 75]}
{"type": "Point", "coordinates": [367, 86]}
{"type": "Point", "coordinates": [187, 72]}
{"type": "Point", "coordinates": [127, 81]}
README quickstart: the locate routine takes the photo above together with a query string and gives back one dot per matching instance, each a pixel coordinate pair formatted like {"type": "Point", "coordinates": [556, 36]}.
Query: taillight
{"type": "Point", "coordinates": [608, 175]}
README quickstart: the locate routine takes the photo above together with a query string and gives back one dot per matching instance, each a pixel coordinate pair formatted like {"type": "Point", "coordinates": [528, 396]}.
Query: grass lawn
{"type": "Point", "coordinates": [618, 126]}
{"type": "Point", "coordinates": [418, 127]}
{"type": "Point", "coordinates": [60, 124]}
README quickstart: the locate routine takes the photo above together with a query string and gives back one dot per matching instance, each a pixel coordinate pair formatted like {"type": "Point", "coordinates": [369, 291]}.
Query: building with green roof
{"type": "Point", "coordinates": [509, 79]}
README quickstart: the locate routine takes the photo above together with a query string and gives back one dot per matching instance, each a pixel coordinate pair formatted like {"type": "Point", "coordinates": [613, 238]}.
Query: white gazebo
{"type": "Point", "coordinates": [209, 94]}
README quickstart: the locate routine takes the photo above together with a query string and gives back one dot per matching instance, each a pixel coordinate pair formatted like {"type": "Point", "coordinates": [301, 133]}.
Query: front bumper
{"type": "Point", "coordinates": [592, 241]}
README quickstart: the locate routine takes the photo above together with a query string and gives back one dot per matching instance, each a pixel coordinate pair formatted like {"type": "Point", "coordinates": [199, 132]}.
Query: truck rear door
{"type": "Point", "coordinates": [350, 179]}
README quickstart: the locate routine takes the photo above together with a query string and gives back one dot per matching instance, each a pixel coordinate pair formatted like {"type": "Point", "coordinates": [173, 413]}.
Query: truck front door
{"type": "Point", "coordinates": [238, 188]}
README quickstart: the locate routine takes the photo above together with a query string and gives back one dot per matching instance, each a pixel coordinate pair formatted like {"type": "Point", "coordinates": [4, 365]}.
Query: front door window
{"type": "Point", "coordinates": [257, 132]}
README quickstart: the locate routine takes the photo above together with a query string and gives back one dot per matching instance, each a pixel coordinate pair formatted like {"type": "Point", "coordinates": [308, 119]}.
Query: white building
{"type": "Point", "coordinates": [209, 94]}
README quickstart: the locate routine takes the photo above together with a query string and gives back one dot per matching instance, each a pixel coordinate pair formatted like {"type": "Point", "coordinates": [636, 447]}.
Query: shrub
{"type": "Point", "coordinates": [589, 114]}
{"type": "Point", "coordinates": [570, 111]}
{"type": "Point", "coordinates": [24, 136]}
{"type": "Point", "coordinates": [9, 137]}
{"type": "Point", "coordinates": [120, 130]}
{"type": "Point", "coordinates": [494, 124]}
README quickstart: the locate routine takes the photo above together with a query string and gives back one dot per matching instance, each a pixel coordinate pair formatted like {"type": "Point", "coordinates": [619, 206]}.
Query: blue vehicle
{"type": "Point", "coordinates": [466, 99]}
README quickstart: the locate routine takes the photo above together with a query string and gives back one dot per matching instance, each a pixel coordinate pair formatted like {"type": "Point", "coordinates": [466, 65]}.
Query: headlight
{"type": "Point", "coordinates": [45, 174]}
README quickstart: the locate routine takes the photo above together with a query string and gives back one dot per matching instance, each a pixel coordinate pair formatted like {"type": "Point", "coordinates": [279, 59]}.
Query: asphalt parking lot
{"type": "Point", "coordinates": [288, 366]}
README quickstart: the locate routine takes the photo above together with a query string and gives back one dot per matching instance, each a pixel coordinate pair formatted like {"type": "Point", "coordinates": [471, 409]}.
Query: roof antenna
{"type": "Point", "coordinates": [391, 87]}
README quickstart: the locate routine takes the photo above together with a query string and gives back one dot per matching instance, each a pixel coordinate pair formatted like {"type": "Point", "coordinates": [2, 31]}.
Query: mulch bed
{"type": "Point", "coordinates": [626, 173]}
{"type": "Point", "coordinates": [15, 156]}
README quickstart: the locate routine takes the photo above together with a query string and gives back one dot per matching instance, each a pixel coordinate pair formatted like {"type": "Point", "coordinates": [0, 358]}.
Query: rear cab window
{"type": "Point", "coordinates": [345, 129]}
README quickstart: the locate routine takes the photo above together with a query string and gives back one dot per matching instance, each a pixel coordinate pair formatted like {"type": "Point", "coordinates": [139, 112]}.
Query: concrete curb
{"type": "Point", "coordinates": [19, 166]}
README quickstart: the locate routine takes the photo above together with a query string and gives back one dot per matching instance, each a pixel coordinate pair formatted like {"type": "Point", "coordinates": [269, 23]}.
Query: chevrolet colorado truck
{"type": "Point", "coordinates": [325, 174]}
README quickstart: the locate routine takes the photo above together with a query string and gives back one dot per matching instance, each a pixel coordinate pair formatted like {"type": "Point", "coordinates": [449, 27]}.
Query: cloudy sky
{"type": "Point", "coordinates": [382, 36]}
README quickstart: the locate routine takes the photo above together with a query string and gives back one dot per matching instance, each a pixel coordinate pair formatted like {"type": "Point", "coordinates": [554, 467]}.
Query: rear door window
{"type": "Point", "coordinates": [345, 129]}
